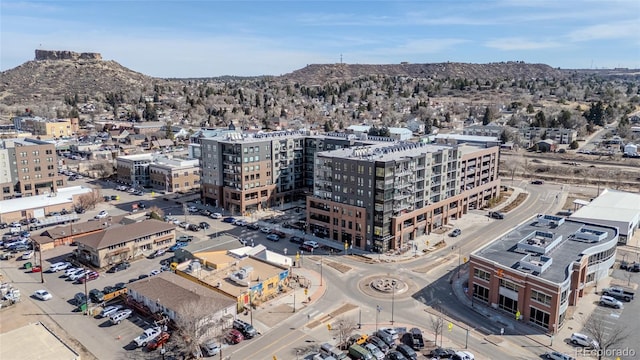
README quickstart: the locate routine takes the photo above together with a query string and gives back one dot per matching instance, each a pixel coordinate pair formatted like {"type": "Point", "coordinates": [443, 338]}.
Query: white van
{"type": "Point", "coordinates": [332, 351]}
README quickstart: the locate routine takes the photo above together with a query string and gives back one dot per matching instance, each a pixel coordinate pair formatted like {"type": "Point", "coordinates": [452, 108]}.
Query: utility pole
{"type": "Point", "coordinates": [393, 298]}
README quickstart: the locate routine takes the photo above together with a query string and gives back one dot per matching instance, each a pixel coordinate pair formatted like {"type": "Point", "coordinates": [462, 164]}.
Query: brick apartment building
{"type": "Point", "coordinates": [28, 168]}
{"type": "Point", "coordinates": [384, 196]}
{"type": "Point", "coordinates": [159, 172]}
{"type": "Point", "coordinates": [541, 268]}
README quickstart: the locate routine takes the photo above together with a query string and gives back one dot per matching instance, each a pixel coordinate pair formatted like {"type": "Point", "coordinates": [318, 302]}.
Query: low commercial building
{"type": "Point", "coordinates": [613, 208]}
{"type": "Point", "coordinates": [159, 172]}
{"type": "Point", "coordinates": [247, 279]}
{"type": "Point", "coordinates": [540, 269]}
{"type": "Point", "coordinates": [40, 205]}
{"type": "Point", "coordinates": [172, 295]}
{"type": "Point", "coordinates": [119, 242]}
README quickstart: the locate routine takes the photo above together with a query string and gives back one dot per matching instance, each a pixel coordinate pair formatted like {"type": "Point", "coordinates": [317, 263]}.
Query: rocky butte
{"type": "Point", "coordinates": [66, 55]}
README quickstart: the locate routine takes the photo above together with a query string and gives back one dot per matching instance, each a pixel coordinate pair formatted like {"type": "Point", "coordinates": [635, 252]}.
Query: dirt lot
{"type": "Point", "coordinates": [26, 312]}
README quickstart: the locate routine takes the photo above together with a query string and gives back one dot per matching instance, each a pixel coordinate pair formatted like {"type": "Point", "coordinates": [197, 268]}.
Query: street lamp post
{"type": "Point", "coordinates": [250, 303]}
{"type": "Point", "coordinates": [393, 298]}
{"type": "Point", "coordinates": [320, 270]}
{"type": "Point", "coordinates": [378, 309]}
{"type": "Point", "coordinates": [86, 295]}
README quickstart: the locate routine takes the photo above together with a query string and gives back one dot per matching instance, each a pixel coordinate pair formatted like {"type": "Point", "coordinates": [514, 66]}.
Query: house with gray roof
{"type": "Point", "coordinates": [119, 242]}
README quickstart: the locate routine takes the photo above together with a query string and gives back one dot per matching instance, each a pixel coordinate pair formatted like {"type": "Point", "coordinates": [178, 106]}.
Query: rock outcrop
{"type": "Point", "coordinates": [65, 55]}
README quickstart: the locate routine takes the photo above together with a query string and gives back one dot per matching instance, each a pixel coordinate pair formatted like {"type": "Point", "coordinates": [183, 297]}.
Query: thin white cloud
{"type": "Point", "coordinates": [518, 43]}
{"type": "Point", "coordinates": [613, 30]}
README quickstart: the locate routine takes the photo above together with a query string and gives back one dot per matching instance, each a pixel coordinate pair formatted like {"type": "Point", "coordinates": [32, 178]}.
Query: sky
{"type": "Point", "coordinates": [164, 38]}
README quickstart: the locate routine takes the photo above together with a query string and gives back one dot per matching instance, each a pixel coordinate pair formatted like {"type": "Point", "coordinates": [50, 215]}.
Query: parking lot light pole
{"type": "Point", "coordinates": [393, 298]}
{"type": "Point", "coordinates": [250, 304]}
{"type": "Point", "coordinates": [86, 295]}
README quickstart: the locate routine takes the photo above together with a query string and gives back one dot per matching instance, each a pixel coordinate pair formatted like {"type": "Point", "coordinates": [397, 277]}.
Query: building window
{"type": "Point", "coordinates": [481, 293]}
{"type": "Point", "coordinates": [481, 274]}
{"type": "Point", "coordinates": [508, 285]}
{"type": "Point", "coordinates": [563, 296]}
{"type": "Point", "coordinates": [508, 304]}
{"type": "Point", "coordinates": [540, 297]}
{"type": "Point", "coordinates": [539, 317]}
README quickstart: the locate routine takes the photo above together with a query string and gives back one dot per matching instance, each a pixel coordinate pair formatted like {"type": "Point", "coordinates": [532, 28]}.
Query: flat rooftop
{"type": "Point", "coordinates": [385, 151]}
{"type": "Point", "coordinates": [550, 244]}
{"type": "Point", "coordinates": [611, 205]}
{"type": "Point", "coordinates": [226, 266]}
{"type": "Point", "coordinates": [63, 196]}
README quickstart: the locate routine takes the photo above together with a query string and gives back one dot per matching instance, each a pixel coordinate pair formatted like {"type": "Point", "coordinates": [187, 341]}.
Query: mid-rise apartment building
{"type": "Point", "coordinates": [250, 172]}
{"type": "Point", "coordinates": [384, 196]}
{"type": "Point", "coordinates": [541, 268]}
{"type": "Point", "coordinates": [159, 172]}
{"type": "Point", "coordinates": [559, 135]}
{"type": "Point", "coordinates": [29, 167]}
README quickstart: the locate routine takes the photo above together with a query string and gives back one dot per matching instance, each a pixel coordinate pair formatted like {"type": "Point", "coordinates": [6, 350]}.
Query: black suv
{"type": "Point", "coordinates": [296, 240]}
{"type": "Point", "coordinates": [119, 267]}
{"type": "Point", "coordinates": [245, 328]}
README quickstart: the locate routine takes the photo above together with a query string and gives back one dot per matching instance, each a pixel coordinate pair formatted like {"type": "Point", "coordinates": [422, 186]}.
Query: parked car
{"type": "Point", "coordinates": [265, 230]}
{"type": "Point", "coordinates": [296, 240]}
{"type": "Point", "coordinates": [442, 353]}
{"type": "Point", "coordinates": [157, 253]}
{"type": "Point", "coordinates": [619, 293]}
{"type": "Point", "coordinates": [184, 238]}
{"type": "Point", "coordinates": [456, 232]}
{"type": "Point", "coordinates": [71, 271]}
{"type": "Point", "coordinates": [379, 343]}
{"type": "Point", "coordinates": [27, 255]}
{"type": "Point", "coordinates": [537, 182]}
{"type": "Point", "coordinates": [102, 214]}
{"type": "Point", "coordinates": [119, 267]}
{"type": "Point", "coordinates": [80, 298]}
{"type": "Point", "coordinates": [253, 226]}
{"type": "Point", "coordinates": [407, 351]}
{"type": "Point", "coordinates": [374, 350]}
{"type": "Point", "coordinates": [159, 341]}
{"type": "Point", "coordinates": [273, 237]}
{"type": "Point", "coordinates": [390, 331]}
{"type": "Point", "coordinates": [96, 295]}
{"type": "Point", "coordinates": [192, 209]}
{"type": "Point", "coordinates": [110, 310]}
{"type": "Point", "coordinates": [611, 302]}
{"type": "Point", "coordinates": [583, 340]}
{"type": "Point", "coordinates": [55, 267]}
{"type": "Point", "coordinates": [154, 272]}
{"type": "Point", "coordinates": [91, 275]}
{"type": "Point", "coordinates": [77, 275]}
{"type": "Point", "coordinates": [312, 244]}
{"type": "Point", "coordinates": [395, 355]}
{"type": "Point", "coordinates": [554, 355]}
{"type": "Point", "coordinates": [635, 267]}
{"type": "Point", "coordinates": [193, 227]}
{"type": "Point", "coordinates": [215, 215]}
{"type": "Point", "coordinates": [230, 220]}
{"type": "Point", "coordinates": [247, 330]}
{"type": "Point", "coordinates": [147, 336]}
{"type": "Point", "coordinates": [624, 265]}
{"type": "Point", "coordinates": [496, 215]}
{"type": "Point", "coordinates": [463, 355]}
{"type": "Point", "coordinates": [177, 246]}
{"type": "Point", "coordinates": [234, 336]}
{"type": "Point", "coordinates": [417, 341]}
{"type": "Point", "coordinates": [240, 223]}
{"type": "Point", "coordinates": [205, 212]}
{"type": "Point", "coordinates": [43, 295]}
{"type": "Point", "coordinates": [212, 348]}
{"type": "Point", "coordinates": [204, 225]}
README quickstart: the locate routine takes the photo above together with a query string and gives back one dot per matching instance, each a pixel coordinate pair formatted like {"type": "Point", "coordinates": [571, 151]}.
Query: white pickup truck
{"type": "Point", "coordinates": [618, 293]}
{"type": "Point", "coordinates": [147, 336]}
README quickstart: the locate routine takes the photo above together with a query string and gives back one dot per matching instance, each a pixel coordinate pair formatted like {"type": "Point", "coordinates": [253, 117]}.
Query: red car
{"type": "Point", "coordinates": [234, 336]}
{"type": "Point", "coordinates": [36, 269]}
{"type": "Point", "coordinates": [88, 277]}
{"type": "Point", "coordinates": [159, 341]}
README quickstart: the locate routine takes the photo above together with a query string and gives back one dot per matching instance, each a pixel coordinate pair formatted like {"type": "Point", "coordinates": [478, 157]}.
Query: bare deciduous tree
{"type": "Point", "coordinates": [156, 213]}
{"type": "Point", "coordinates": [197, 325]}
{"type": "Point", "coordinates": [344, 328]}
{"type": "Point", "coordinates": [607, 337]}
{"type": "Point", "coordinates": [90, 200]}
{"type": "Point", "coordinates": [437, 325]}
{"type": "Point", "coordinates": [104, 169]}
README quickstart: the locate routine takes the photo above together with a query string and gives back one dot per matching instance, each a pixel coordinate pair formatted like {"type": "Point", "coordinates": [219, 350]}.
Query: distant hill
{"type": "Point", "coordinates": [55, 74]}
{"type": "Point", "coordinates": [320, 73]}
